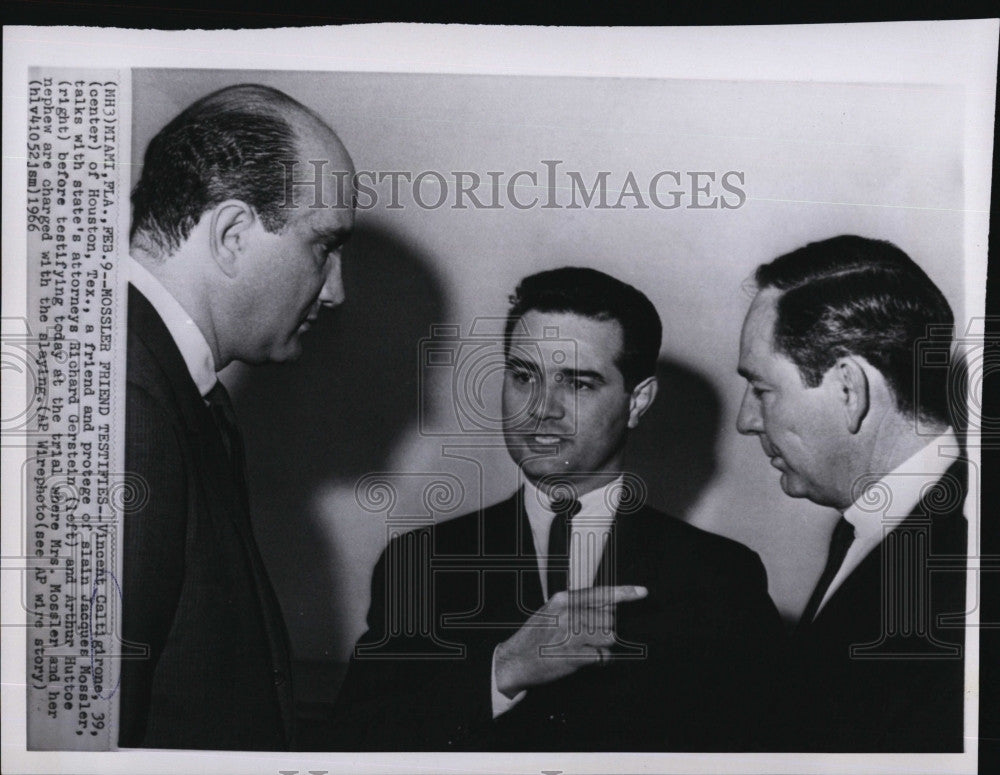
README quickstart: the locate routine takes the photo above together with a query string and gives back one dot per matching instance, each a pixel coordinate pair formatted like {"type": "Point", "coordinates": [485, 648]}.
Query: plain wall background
{"type": "Point", "coordinates": [819, 159]}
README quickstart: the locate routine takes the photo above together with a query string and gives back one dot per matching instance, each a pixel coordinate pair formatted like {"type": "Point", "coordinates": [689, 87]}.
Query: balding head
{"type": "Point", "coordinates": [223, 221]}
{"type": "Point", "coordinates": [235, 143]}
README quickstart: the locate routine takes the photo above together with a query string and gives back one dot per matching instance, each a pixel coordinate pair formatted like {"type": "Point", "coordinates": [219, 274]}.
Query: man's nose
{"type": "Point", "coordinates": [551, 404]}
{"type": "Point", "coordinates": [749, 418]}
{"type": "Point", "coordinates": [332, 293]}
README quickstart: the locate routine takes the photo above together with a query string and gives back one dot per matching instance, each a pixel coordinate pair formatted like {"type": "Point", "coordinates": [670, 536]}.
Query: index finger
{"type": "Point", "coordinates": [606, 596]}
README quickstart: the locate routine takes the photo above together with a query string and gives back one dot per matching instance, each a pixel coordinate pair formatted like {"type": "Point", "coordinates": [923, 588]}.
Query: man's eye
{"type": "Point", "coordinates": [758, 391]}
{"type": "Point", "coordinates": [522, 376]}
{"type": "Point", "coordinates": [582, 384]}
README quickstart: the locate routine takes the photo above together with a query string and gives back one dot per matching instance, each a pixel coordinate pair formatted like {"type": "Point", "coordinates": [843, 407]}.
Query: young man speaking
{"type": "Point", "coordinates": [570, 616]}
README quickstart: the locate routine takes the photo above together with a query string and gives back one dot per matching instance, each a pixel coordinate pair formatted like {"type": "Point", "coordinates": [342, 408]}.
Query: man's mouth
{"type": "Point", "coordinates": [546, 440]}
{"type": "Point", "coordinates": [773, 454]}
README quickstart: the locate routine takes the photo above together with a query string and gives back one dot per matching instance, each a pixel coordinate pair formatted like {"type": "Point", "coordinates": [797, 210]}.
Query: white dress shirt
{"type": "Point", "coordinates": [183, 330]}
{"type": "Point", "coordinates": [589, 531]}
{"type": "Point", "coordinates": [874, 517]}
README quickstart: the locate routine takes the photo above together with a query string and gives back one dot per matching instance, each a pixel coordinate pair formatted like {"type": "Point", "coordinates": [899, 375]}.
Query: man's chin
{"type": "Point", "coordinates": [791, 486]}
{"type": "Point", "coordinates": [795, 487]}
{"type": "Point", "coordinates": [290, 351]}
{"type": "Point", "coordinates": [536, 468]}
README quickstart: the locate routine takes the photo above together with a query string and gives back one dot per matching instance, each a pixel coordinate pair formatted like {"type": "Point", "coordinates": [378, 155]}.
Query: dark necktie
{"type": "Point", "coordinates": [225, 418]}
{"type": "Point", "coordinates": [221, 407]}
{"type": "Point", "coordinates": [558, 559]}
{"type": "Point", "coordinates": [843, 537]}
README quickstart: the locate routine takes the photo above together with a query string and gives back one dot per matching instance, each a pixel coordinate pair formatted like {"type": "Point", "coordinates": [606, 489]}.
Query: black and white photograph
{"type": "Point", "coordinates": [439, 410]}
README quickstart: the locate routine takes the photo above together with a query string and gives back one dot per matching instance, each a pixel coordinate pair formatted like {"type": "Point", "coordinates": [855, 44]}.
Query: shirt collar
{"type": "Point", "coordinates": [187, 336]}
{"type": "Point", "coordinates": [886, 503]}
{"type": "Point", "coordinates": [600, 502]}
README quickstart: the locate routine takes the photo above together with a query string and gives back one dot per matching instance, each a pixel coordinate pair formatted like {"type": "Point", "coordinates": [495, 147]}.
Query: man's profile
{"type": "Point", "coordinates": [855, 418]}
{"type": "Point", "coordinates": [221, 269]}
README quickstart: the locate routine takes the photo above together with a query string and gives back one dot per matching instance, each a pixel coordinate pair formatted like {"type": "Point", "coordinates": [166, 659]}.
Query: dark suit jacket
{"type": "Point", "coordinates": [701, 644]}
{"type": "Point", "coordinates": [195, 592]}
{"type": "Point", "coordinates": [881, 667]}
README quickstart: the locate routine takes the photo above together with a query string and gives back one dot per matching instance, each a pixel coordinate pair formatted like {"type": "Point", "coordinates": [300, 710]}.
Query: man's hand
{"type": "Point", "coordinates": [572, 630]}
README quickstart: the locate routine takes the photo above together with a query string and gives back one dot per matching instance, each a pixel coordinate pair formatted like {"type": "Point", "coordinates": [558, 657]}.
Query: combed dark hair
{"type": "Point", "coordinates": [851, 295]}
{"type": "Point", "coordinates": [600, 296]}
{"type": "Point", "coordinates": [231, 144]}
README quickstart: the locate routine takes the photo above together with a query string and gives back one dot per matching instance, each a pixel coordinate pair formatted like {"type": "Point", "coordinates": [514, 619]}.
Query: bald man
{"type": "Point", "coordinates": [227, 263]}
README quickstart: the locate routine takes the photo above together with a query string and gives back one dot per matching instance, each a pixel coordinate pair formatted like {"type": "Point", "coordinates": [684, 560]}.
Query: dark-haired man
{"type": "Point", "coordinates": [570, 616]}
{"type": "Point", "coordinates": [845, 349]}
{"type": "Point", "coordinates": [224, 266]}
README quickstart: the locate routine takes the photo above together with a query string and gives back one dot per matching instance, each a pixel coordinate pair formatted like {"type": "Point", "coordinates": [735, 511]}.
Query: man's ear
{"type": "Point", "coordinates": [851, 384]}
{"type": "Point", "coordinates": [642, 398]}
{"type": "Point", "coordinates": [229, 228]}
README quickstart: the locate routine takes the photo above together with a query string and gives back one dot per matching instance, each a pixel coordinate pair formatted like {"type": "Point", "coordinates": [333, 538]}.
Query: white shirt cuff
{"type": "Point", "coordinates": [501, 703]}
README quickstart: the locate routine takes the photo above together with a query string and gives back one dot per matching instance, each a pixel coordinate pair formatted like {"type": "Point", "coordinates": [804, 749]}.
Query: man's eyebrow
{"type": "Point", "coordinates": [518, 363]}
{"type": "Point", "coordinates": [584, 374]}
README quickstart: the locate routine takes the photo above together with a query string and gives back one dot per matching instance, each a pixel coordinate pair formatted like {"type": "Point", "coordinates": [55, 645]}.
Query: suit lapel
{"type": "Point", "coordinates": [623, 551]}
{"type": "Point", "coordinates": [227, 502]}
{"type": "Point", "coordinates": [146, 325]}
{"type": "Point", "coordinates": [529, 580]}
{"type": "Point", "coordinates": [511, 582]}
{"type": "Point", "coordinates": [203, 435]}
{"type": "Point", "coordinates": [943, 500]}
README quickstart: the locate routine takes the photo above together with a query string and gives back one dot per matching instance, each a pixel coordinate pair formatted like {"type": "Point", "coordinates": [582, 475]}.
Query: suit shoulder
{"type": "Point", "coordinates": [462, 535]}
{"type": "Point", "coordinates": [468, 529]}
{"type": "Point", "coordinates": [143, 372]}
{"type": "Point", "coordinates": [949, 528]}
{"type": "Point", "coordinates": [709, 549]}
{"type": "Point", "coordinates": [153, 361]}
{"type": "Point", "coordinates": [455, 531]}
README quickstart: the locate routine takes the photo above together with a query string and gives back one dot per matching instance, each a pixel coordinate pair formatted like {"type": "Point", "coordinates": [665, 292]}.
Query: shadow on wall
{"type": "Point", "coordinates": [673, 449]}
{"type": "Point", "coordinates": [334, 415]}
